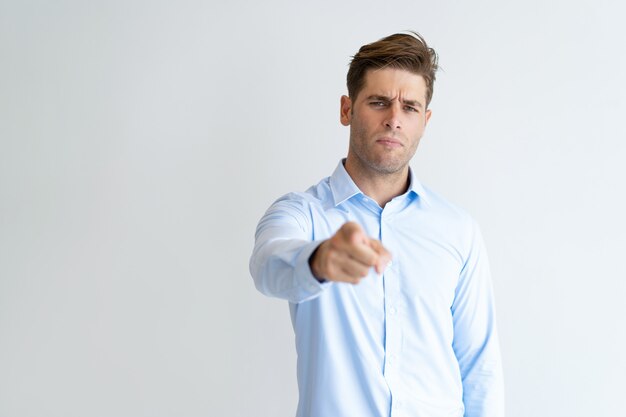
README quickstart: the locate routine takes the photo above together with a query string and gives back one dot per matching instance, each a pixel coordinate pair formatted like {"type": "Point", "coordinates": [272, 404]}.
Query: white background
{"type": "Point", "coordinates": [141, 141]}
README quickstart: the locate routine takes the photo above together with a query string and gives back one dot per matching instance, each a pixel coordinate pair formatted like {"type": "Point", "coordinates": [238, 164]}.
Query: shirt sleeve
{"type": "Point", "coordinates": [475, 342]}
{"type": "Point", "coordinates": [279, 263]}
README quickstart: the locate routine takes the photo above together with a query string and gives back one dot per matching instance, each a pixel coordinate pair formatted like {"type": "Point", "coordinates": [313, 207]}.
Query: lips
{"type": "Point", "coordinates": [390, 142]}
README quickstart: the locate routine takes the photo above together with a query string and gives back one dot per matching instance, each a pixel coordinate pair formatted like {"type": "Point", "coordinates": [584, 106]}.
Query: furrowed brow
{"type": "Point", "coordinates": [413, 103]}
{"type": "Point", "coordinates": [379, 98]}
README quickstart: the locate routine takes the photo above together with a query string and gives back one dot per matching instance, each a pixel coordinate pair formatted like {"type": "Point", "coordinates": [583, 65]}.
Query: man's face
{"type": "Point", "coordinates": [386, 119]}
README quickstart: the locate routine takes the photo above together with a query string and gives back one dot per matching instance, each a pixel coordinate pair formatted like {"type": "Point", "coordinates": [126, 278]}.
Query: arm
{"type": "Point", "coordinates": [475, 337]}
{"type": "Point", "coordinates": [287, 263]}
{"type": "Point", "coordinates": [279, 263]}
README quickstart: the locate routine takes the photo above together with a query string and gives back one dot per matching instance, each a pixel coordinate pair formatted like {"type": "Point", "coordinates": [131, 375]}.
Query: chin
{"type": "Point", "coordinates": [388, 168]}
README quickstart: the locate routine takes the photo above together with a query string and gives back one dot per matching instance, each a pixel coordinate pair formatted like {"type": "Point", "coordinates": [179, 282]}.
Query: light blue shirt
{"type": "Point", "coordinates": [420, 340]}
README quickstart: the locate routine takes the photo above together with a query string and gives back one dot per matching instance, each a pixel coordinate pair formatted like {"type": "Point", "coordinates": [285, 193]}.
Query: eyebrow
{"type": "Point", "coordinates": [414, 103]}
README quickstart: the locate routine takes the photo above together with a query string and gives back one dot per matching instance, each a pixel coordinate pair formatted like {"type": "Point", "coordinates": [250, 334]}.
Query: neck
{"type": "Point", "coordinates": [381, 187]}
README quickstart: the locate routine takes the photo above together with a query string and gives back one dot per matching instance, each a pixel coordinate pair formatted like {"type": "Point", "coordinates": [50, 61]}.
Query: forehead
{"type": "Point", "coordinates": [393, 82]}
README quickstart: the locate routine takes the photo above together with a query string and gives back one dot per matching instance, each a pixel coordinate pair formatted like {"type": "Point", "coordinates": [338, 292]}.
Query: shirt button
{"type": "Point", "coordinates": [393, 311]}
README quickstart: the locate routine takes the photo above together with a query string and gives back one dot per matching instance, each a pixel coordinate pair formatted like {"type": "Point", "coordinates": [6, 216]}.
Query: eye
{"type": "Point", "coordinates": [411, 109]}
{"type": "Point", "coordinates": [378, 103]}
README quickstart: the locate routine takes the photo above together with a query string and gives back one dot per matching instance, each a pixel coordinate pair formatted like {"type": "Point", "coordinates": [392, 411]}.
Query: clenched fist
{"type": "Point", "coordinates": [348, 256]}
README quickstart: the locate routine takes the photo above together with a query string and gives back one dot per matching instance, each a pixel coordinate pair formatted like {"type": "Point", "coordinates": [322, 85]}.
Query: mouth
{"type": "Point", "coordinates": [390, 142]}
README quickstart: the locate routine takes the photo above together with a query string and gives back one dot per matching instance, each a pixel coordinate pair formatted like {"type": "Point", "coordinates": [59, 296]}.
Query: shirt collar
{"type": "Point", "coordinates": [416, 187]}
{"type": "Point", "coordinates": [343, 187]}
{"type": "Point", "coordinates": [341, 184]}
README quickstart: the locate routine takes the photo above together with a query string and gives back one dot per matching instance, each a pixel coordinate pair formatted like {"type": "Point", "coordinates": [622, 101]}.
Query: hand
{"type": "Point", "coordinates": [348, 256]}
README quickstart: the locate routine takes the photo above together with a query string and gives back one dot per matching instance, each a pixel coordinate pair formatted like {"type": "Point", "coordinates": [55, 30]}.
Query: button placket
{"type": "Point", "coordinates": [392, 326]}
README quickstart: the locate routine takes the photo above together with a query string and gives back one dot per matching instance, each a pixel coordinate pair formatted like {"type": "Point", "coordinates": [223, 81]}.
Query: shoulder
{"type": "Point", "coordinates": [443, 206]}
{"type": "Point", "coordinates": [300, 204]}
{"type": "Point", "coordinates": [318, 194]}
{"type": "Point", "coordinates": [451, 218]}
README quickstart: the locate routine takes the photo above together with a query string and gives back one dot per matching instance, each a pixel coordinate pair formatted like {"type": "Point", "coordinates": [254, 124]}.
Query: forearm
{"type": "Point", "coordinates": [280, 268]}
{"type": "Point", "coordinates": [483, 385]}
{"type": "Point", "coordinates": [283, 245]}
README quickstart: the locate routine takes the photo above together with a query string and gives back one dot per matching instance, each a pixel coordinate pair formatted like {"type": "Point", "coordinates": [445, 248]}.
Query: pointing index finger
{"type": "Point", "coordinates": [383, 255]}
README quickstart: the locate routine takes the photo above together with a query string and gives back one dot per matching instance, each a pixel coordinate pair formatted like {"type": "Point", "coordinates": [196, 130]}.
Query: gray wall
{"type": "Point", "coordinates": [141, 141]}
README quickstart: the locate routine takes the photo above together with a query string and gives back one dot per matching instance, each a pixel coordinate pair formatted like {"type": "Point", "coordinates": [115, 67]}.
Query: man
{"type": "Point", "coordinates": [388, 284]}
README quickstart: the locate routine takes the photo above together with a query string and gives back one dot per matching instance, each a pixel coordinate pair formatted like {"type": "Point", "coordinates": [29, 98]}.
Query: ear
{"type": "Point", "coordinates": [345, 113]}
{"type": "Point", "coordinates": [427, 117]}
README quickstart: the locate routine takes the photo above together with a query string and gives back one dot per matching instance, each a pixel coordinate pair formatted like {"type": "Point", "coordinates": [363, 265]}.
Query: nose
{"type": "Point", "coordinates": [392, 118]}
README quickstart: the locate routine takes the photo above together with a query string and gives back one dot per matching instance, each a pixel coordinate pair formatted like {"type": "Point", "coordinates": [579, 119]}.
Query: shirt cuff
{"type": "Point", "coordinates": [304, 277]}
